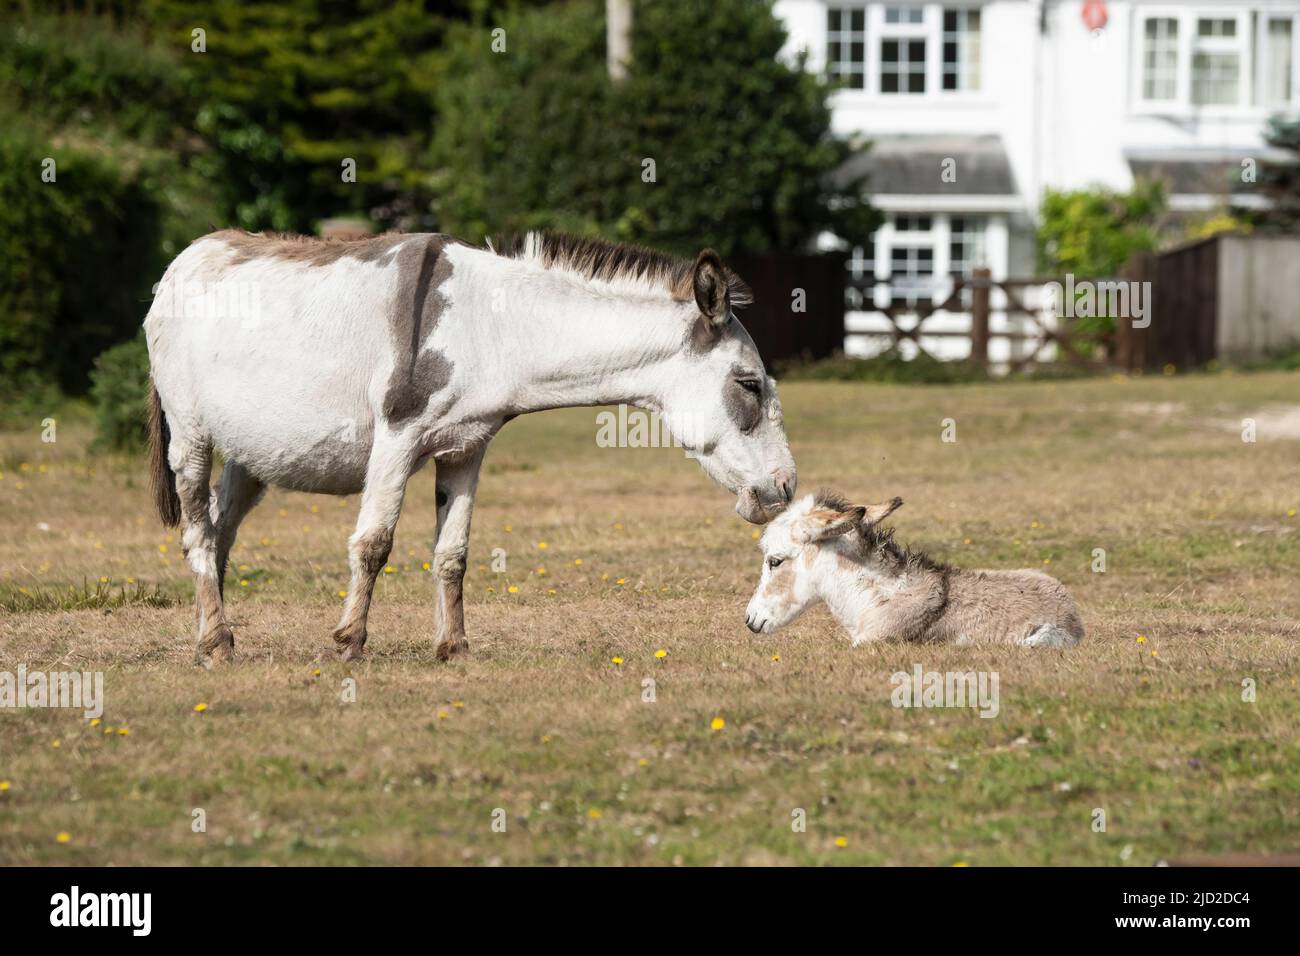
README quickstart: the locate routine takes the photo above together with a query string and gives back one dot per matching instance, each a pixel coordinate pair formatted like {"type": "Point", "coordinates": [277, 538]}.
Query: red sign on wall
{"type": "Point", "coordinates": [1094, 14]}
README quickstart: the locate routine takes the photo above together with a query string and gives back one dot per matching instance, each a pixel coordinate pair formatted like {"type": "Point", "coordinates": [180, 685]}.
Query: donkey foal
{"type": "Point", "coordinates": [824, 549]}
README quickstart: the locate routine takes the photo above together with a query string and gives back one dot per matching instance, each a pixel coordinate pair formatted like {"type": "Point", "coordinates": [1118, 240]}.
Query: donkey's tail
{"type": "Point", "coordinates": [160, 472]}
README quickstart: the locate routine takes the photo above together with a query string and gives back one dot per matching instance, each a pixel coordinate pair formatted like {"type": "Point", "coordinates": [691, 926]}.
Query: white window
{"type": "Point", "coordinates": [898, 14]}
{"type": "Point", "coordinates": [1276, 42]}
{"type": "Point", "coordinates": [966, 250]}
{"type": "Point", "coordinates": [903, 40]}
{"type": "Point", "coordinates": [1216, 62]}
{"type": "Point", "coordinates": [1217, 58]}
{"type": "Point", "coordinates": [905, 49]}
{"type": "Point", "coordinates": [908, 259]}
{"type": "Point", "coordinates": [961, 49]}
{"type": "Point", "coordinates": [910, 223]}
{"type": "Point", "coordinates": [1160, 59]}
{"type": "Point", "coordinates": [912, 253]}
{"type": "Point", "coordinates": [846, 45]}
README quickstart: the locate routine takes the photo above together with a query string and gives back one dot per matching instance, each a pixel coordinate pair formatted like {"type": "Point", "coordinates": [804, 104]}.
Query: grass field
{"type": "Point", "coordinates": [626, 553]}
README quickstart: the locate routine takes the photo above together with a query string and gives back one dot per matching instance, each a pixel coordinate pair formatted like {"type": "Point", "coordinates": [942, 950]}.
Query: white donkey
{"type": "Point", "coordinates": [824, 549]}
{"type": "Point", "coordinates": [344, 366]}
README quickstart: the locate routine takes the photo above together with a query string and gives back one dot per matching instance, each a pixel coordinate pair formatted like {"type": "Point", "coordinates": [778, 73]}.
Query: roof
{"type": "Point", "coordinates": [1212, 172]}
{"type": "Point", "coordinates": [914, 165]}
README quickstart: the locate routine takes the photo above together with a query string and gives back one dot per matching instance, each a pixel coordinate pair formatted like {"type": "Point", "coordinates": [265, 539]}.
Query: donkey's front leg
{"type": "Point", "coordinates": [457, 481]}
{"type": "Point", "coordinates": [368, 548]}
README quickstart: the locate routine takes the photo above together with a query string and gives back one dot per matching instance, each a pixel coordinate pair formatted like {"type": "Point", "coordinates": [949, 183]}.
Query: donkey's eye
{"type": "Point", "coordinates": [774, 562]}
{"type": "Point", "coordinates": [750, 385]}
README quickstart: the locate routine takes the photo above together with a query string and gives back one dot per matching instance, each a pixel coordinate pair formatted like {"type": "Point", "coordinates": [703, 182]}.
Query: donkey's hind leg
{"type": "Point", "coordinates": [457, 483]}
{"type": "Point", "coordinates": [368, 548]}
{"type": "Point", "coordinates": [239, 494]}
{"type": "Point", "coordinates": [192, 464]}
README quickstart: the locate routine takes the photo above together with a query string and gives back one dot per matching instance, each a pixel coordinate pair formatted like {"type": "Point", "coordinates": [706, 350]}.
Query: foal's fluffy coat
{"type": "Point", "coordinates": [824, 549]}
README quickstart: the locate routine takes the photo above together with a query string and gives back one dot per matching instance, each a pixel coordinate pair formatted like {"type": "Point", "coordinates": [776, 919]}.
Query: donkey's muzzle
{"type": "Point", "coordinates": [759, 504]}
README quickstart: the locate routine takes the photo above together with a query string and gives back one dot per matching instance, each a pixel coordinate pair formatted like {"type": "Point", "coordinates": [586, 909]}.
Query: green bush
{"type": "Point", "coordinates": [92, 73]}
{"type": "Point", "coordinates": [78, 257]}
{"type": "Point", "coordinates": [120, 390]}
{"type": "Point", "coordinates": [1279, 179]}
{"type": "Point", "coordinates": [538, 135]}
{"type": "Point", "coordinates": [1091, 233]}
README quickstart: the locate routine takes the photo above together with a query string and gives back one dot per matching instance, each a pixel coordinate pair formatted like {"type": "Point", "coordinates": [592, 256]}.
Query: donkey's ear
{"type": "Point", "coordinates": [878, 513]}
{"type": "Point", "coordinates": [710, 284]}
{"type": "Point", "coordinates": [824, 523]}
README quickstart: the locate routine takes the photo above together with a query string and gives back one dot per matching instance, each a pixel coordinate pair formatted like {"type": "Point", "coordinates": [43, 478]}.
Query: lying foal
{"type": "Point", "coordinates": [825, 549]}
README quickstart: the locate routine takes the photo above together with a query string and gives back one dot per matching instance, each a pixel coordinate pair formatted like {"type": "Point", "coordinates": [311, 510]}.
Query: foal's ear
{"type": "Point", "coordinates": [878, 513]}
{"type": "Point", "coordinates": [824, 523]}
{"type": "Point", "coordinates": [709, 282]}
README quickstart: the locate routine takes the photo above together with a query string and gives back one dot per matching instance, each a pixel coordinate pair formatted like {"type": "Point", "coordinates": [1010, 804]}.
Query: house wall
{"type": "Point", "coordinates": [1064, 100]}
{"type": "Point", "coordinates": [1092, 112]}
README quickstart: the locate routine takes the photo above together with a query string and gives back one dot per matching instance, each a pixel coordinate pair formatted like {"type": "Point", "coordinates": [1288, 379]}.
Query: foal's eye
{"type": "Point", "coordinates": [774, 562]}
{"type": "Point", "coordinates": [751, 385]}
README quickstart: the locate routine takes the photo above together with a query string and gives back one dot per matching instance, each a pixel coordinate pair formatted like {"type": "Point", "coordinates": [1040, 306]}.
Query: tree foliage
{"type": "Point", "coordinates": [1093, 232]}
{"type": "Point", "coordinates": [290, 89]}
{"type": "Point", "coordinates": [711, 139]}
{"type": "Point", "coordinates": [1280, 180]}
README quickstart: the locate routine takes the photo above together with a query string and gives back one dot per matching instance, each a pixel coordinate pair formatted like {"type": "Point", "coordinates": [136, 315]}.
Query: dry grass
{"type": "Point", "coordinates": [1203, 554]}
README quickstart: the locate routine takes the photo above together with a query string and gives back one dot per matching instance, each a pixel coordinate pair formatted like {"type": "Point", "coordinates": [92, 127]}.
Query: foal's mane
{"type": "Point", "coordinates": [878, 540]}
{"type": "Point", "coordinates": [612, 262]}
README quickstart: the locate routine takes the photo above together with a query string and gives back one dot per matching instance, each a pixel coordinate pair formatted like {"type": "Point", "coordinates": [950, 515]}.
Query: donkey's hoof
{"type": "Point", "coordinates": [455, 647]}
{"type": "Point", "coordinates": [216, 647]}
{"type": "Point", "coordinates": [349, 644]}
{"type": "Point", "coordinates": [352, 651]}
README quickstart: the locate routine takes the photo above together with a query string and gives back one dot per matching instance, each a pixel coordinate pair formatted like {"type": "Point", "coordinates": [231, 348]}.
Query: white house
{"type": "Point", "coordinates": [975, 108]}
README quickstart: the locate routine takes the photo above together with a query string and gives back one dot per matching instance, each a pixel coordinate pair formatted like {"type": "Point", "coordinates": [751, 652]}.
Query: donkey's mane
{"type": "Point", "coordinates": [588, 257]}
{"type": "Point", "coordinates": [612, 262]}
{"type": "Point", "coordinates": [878, 540]}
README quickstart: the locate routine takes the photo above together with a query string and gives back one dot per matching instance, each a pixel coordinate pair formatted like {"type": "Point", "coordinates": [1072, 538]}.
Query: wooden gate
{"type": "Point", "coordinates": [1084, 348]}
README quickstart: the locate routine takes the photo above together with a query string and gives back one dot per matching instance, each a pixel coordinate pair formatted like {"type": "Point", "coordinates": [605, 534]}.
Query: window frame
{"type": "Point", "coordinates": [1261, 65]}
{"type": "Point", "coordinates": [929, 30]}
{"type": "Point", "coordinates": [872, 263]}
{"type": "Point", "coordinates": [1245, 45]}
{"type": "Point", "coordinates": [845, 37]}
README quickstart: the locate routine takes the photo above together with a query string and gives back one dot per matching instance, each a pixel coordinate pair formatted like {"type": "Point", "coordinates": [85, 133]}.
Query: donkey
{"type": "Point", "coordinates": [824, 549]}
{"type": "Point", "coordinates": [340, 367]}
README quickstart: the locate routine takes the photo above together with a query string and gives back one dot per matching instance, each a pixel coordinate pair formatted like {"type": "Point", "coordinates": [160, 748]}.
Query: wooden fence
{"type": "Point", "coordinates": [1042, 336]}
{"type": "Point", "coordinates": [798, 310]}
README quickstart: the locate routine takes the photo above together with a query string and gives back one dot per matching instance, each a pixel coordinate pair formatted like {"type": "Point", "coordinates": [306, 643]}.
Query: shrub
{"type": "Point", "coordinates": [1093, 232]}
{"type": "Point", "coordinates": [120, 390]}
{"type": "Point", "coordinates": [78, 257]}
{"type": "Point", "coordinates": [888, 366]}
